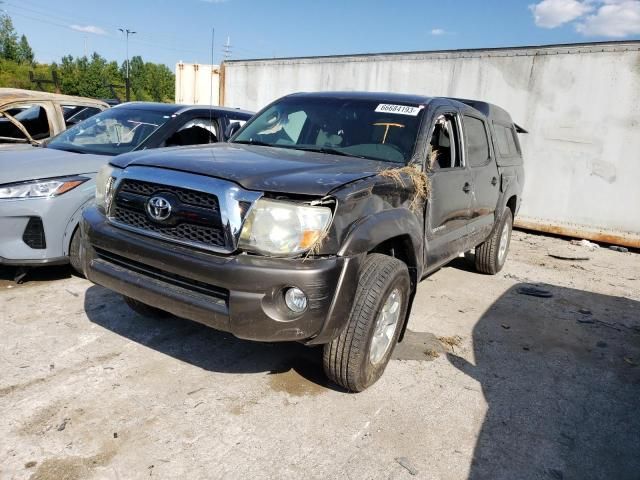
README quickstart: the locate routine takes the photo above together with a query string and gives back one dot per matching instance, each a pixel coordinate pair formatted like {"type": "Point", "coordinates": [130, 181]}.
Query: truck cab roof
{"type": "Point", "coordinates": [491, 111]}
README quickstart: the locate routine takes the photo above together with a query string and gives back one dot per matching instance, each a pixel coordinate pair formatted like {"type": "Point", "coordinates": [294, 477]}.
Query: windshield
{"type": "Point", "coordinates": [112, 132]}
{"type": "Point", "coordinates": [358, 128]}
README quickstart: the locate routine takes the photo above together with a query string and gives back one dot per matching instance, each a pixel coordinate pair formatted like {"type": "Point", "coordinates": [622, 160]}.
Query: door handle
{"type": "Point", "coordinates": [494, 181]}
{"type": "Point", "coordinates": [466, 188]}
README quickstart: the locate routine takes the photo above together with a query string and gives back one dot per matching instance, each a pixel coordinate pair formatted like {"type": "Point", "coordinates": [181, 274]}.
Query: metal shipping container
{"type": "Point", "coordinates": [580, 103]}
{"type": "Point", "coordinates": [197, 84]}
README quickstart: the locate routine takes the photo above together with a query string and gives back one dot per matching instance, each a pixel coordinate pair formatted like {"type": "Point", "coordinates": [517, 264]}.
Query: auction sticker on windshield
{"type": "Point", "coordinates": [398, 109]}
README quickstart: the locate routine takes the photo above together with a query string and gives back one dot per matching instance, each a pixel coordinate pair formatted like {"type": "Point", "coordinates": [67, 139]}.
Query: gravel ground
{"type": "Point", "coordinates": [490, 383]}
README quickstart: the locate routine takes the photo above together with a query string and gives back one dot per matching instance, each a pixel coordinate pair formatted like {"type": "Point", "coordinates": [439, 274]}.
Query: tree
{"type": "Point", "coordinates": [8, 39]}
{"type": "Point", "coordinates": [149, 81]}
{"type": "Point", "coordinates": [160, 82]}
{"type": "Point", "coordinates": [25, 52]}
{"type": "Point", "coordinates": [87, 77]}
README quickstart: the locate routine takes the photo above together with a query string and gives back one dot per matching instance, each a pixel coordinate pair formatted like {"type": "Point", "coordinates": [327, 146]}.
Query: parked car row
{"type": "Point", "coordinates": [58, 178]}
{"type": "Point", "coordinates": [313, 223]}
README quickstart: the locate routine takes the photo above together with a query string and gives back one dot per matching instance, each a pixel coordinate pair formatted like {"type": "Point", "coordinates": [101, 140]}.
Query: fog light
{"type": "Point", "coordinates": [295, 299]}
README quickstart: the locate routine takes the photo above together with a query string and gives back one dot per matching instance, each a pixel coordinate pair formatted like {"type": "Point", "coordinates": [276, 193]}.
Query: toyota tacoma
{"type": "Point", "coordinates": [314, 224]}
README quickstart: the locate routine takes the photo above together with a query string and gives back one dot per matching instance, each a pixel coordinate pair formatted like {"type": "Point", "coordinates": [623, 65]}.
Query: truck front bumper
{"type": "Point", "coordinates": [241, 294]}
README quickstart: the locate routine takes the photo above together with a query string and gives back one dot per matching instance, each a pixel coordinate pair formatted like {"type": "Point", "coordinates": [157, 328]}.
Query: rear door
{"type": "Point", "coordinates": [485, 180]}
{"type": "Point", "coordinates": [449, 209]}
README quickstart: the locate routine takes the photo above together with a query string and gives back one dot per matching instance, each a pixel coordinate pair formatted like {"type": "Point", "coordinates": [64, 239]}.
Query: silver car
{"type": "Point", "coordinates": [43, 190]}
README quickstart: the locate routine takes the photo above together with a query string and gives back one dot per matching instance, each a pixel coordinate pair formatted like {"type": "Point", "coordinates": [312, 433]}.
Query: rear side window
{"type": "Point", "coordinates": [477, 141]}
{"type": "Point", "coordinates": [505, 138]}
{"type": "Point", "coordinates": [239, 121]}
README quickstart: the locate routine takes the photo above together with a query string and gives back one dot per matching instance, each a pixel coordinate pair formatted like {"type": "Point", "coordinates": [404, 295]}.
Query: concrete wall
{"type": "Point", "coordinates": [581, 104]}
{"type": "Point", "coordinates": [197, 84]}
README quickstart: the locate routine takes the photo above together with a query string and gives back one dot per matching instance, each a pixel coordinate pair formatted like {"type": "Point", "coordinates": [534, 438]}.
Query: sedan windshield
{"type": "Point", "coordinates": [112, 132]}
{"type": "Point", "coordinates": [356, 128]}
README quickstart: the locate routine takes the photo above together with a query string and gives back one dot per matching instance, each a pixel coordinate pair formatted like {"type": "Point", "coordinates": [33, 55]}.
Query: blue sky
{"type": "Point", "coordinates": [169, 31]}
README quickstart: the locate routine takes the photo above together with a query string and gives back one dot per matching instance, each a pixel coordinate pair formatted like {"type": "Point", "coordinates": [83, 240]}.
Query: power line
{"type": "Point", "coordinates": [147, 37]}
{"type": "Point", "coordinates": [74, 21]}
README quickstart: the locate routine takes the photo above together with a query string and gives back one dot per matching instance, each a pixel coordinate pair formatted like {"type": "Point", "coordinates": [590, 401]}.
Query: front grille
{"type": "Point", "coordinates": [185, 232]}
{"type": "Point", "coordinates": [190, 197]}
{"type": "Point", "coordinates": [196, 220]}
{"type": "Point", "coordinates": [218, 294]}
{"type": "Point", "coordinates": [34, 234]}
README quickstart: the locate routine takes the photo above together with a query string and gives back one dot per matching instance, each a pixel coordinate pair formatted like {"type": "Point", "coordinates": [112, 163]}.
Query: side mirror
{"type": "Point", "coordinates": [231, 129]}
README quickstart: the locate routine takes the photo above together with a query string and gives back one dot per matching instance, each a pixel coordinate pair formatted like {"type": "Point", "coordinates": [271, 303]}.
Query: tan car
{"type": "Point", "coordinates": [28, 117]}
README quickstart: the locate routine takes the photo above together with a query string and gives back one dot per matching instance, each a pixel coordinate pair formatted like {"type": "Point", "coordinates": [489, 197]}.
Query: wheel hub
{"type": "Point", "coordinates": [385, 327]}
{"type": "Point", "coordinates": [504, 242]}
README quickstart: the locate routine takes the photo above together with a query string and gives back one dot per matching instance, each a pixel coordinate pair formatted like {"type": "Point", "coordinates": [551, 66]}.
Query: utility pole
{"type": "Point", "coordinates": [127, 83]}
{"type": "Point", "coordinates": [227, 49]}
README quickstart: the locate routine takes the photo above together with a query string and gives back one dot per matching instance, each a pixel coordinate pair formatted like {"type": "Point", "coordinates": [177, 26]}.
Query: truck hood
{"type": "Point", "coordinates": [35, 163]}
{"type": "Point", "coordinates": [260, 168]}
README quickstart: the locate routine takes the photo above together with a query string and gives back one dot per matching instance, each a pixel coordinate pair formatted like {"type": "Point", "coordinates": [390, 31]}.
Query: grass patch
{"type": "Point", "coordinates": [451, 342]}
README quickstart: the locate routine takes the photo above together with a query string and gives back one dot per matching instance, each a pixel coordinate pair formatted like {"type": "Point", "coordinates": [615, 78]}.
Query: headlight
{"type": "Point", "coordinates": [282, 228]}
{"type": "Point", "coordinates": [50, 187]}
{"type": "Point", "coordinates": [104, 186]}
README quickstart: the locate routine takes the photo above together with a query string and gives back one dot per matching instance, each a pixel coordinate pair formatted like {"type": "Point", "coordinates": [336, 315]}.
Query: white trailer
{"type": "Point", "coordinates": [580, 103]}
{"type": "Point", "coordinates": [197, 84]}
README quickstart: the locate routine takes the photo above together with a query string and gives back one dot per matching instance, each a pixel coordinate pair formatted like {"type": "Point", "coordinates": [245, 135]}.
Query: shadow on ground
{"type": "Point", "coordinates": [561, 379]}
{"type": "Point", "coordinates": [205, 347]}
{"type": "Point", "coordinates": [560, 376]}
{"type": "Point", "coordinates": [33, 275]}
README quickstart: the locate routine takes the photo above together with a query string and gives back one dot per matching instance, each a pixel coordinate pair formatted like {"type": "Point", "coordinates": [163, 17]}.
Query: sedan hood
{"type": "Point", "coordinates": [260, 168]}
{"type": "Point", "coordinates": [4, 147]}
{"type": "Point", "coordinates": [35, 163]}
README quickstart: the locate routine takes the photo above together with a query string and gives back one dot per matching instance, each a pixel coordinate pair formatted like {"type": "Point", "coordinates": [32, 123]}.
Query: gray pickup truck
{"type": "Point", "coordinates": [314, 224]}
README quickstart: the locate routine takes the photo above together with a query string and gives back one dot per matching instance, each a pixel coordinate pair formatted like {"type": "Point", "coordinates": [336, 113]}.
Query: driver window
{"type": "Point", "coordinates": [444, 151]}
{"type": "Point", "coordinates": [194, 132]}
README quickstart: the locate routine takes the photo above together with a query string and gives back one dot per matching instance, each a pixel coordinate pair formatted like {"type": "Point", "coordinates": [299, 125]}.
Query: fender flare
{"type": "Point", "coordinates": [510, 187]}
{"type": "Point", "coordinates": [380, 227]}
{"type": "Point", "coordinates": [375, 229]}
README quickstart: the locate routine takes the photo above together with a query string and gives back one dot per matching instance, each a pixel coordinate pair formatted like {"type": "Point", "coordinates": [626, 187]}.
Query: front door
{"type": "Point", "coordinates": [449, 208]}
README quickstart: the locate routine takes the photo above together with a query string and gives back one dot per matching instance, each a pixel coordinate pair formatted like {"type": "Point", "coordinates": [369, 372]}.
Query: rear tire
{"type": "Point", "coordinates": [144, 309]}
{"type": "Point", "coordinates": [357, 358]}
{"type": "Point", "coordinates": [74, 252]}
{"type": "Point", "coordinates": [492, 254]}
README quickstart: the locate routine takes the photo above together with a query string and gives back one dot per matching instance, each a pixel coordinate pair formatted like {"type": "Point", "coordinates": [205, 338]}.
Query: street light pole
{"type": "Point", "coordinates": [127, 32]}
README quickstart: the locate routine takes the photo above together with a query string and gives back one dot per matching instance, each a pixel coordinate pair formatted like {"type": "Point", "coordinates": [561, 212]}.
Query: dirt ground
{"type": "Point", "coordinates": [490, 383]}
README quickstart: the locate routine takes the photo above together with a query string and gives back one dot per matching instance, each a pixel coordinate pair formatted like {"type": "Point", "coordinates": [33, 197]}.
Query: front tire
{"type": "Point", "coordinates": [357, 358]}
{"type": "Point", "coordinates": [492, 254]}
{"type": "Point", "coordinates": [74, 252]}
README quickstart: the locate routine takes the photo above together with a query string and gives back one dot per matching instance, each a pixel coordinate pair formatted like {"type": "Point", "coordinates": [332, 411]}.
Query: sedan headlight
{"type": "Point", "coordinates": [283, 228]}
{"type": "Point", "coordinates": [104, 186]}
{"type": "Point", "coordinates": [50, 187]}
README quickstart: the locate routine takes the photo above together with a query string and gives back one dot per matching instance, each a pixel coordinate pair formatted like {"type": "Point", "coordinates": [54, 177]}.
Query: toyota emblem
{"type": "Point", "coordinates": [158, 208]}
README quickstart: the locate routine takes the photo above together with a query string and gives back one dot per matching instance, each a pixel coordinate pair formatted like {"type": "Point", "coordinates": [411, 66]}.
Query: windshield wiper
{"type": "Point", "coordinates": [331, 151]}
{"type": "Point", "coordinates": [67, 149]}
{"type": "Point", "coordinates": [254, 142]}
